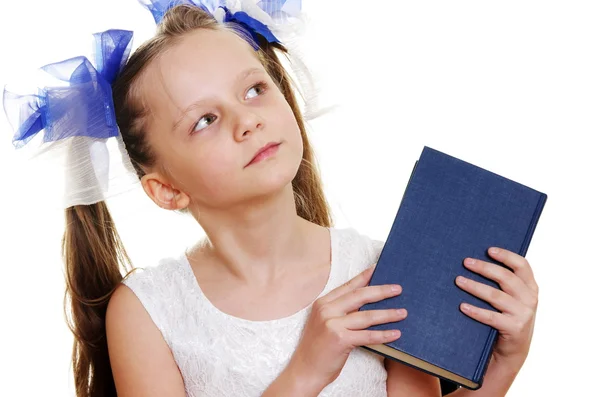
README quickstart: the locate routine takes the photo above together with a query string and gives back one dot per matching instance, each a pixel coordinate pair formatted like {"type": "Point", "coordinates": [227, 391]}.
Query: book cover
{"type": "Point", "coordinates": [450, 210]}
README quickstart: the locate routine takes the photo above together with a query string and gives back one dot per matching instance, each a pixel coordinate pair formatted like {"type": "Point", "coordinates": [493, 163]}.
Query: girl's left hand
{"type": "Point", "coordinates": [517, 301]}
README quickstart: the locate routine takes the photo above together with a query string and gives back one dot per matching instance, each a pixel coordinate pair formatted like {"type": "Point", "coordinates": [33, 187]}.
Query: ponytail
{"type": "Point", "coordinates": [94, 257]}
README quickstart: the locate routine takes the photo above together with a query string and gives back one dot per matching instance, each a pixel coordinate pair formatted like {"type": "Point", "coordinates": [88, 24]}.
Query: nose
{"type": "Point", "coordinates": [248, 122]}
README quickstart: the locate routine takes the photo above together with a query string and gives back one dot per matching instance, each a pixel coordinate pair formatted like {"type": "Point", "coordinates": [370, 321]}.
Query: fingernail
{"type": "Point", "coordinates": [396, 288]}
{"type": "Point", "coordinates": [494, 250]}
{"type": "Point", "coordinates": [401, 312]}
{"type": "Point", "coordinates": [465, 307]}
{"type": "Point", "coordinates": [470, 262]}
{"type": "Point", "coordinates": [461, 280]}
{"type": "Point", "coordinates": [394, 333]}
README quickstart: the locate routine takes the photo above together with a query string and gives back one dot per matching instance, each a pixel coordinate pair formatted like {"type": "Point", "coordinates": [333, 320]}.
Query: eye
{"type": "Point", "coordinates": [204, 122]}
{"type": "Point", "coordinates": [208, 119]}
{"type": "Point", "coordinates": [262, 86]}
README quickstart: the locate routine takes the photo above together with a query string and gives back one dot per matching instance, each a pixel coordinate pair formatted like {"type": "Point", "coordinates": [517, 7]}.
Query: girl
{"type": "Point", "coordinates": [267, 303]}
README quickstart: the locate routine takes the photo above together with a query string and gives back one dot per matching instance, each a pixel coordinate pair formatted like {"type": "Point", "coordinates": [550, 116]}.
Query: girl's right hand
{"type": "Point", "coordinates": [335, 327]}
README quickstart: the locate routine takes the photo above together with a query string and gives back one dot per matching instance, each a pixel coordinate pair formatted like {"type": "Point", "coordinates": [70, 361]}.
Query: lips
{"type": "Point", "coordinates": [265, 152]}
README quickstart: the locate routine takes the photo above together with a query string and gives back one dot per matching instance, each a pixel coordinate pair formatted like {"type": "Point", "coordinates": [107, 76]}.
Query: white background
{"type": "Point", "coordinates": [510, 86]}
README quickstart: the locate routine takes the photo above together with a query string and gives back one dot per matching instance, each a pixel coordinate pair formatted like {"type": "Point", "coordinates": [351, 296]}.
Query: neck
{"type": "Point", "coordinates": [259, 240]}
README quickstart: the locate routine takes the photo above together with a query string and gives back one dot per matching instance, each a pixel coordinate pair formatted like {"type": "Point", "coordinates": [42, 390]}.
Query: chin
{"type": "Point", "coordinates": [275, 174]}
{"type": "Point", "coordinates": [277, 177]}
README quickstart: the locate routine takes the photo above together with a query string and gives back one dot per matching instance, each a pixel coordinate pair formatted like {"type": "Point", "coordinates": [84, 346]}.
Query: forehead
{"type": "Point", "coordinates": [200, 64]}
{"type": "Point", "coordinates": [209, 49]}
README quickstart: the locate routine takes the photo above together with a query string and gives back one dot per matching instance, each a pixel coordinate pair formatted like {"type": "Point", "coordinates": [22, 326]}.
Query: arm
{"type": "Point", "coordinates": [498, 380]}
{"type": "Point", "coordinates": [141, 361]}
{"type": "Point", "coordinates": [405, 381]}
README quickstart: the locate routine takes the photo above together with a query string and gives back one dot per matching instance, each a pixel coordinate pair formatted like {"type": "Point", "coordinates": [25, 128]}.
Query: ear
{"type": "Point", "coordinates": [163, 194]}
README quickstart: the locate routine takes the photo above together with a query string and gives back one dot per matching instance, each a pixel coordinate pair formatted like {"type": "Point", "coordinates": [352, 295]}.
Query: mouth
{"type": "Point", "coordinates": [265, 152]}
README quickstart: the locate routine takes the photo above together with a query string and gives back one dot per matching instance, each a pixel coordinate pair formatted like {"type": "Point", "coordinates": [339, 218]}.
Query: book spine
{"type": "Point", "coordinates": [533, 224]}
{"type": "Point", "coordinates": [485, 357]}
{"type": "Point", "coordinates": [484, 360]}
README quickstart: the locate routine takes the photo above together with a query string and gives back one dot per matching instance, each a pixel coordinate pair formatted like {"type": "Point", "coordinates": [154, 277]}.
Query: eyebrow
{"type": "Point", "coordinates": [244, 74]}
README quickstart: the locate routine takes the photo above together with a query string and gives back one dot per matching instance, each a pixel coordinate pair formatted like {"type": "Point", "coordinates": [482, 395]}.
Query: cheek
{"type": "Point", "coordinates": [292, 156]}
{"type": "Point", "coordinates": [291, 131]}
{"type": "Point", "coordinates": [209, 172]}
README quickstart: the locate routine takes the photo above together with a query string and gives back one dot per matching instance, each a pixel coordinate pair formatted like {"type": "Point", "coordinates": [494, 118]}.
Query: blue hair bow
{"type": "Point", "coordinates": [250, 25]}
{"type": "Point", "coordinates": [275, 9]}
{"type": "Point", "coordinates": [81, 104]}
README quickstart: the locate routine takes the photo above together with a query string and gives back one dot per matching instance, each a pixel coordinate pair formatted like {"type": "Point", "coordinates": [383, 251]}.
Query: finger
{"type": "Point", "coordinates": [361, 280]}
{"type": "Point", "coordinates": [354, 299]}
{"type": "Point", "coordinates": [499, 321]}
{"type": "Point", "coordinates": [494, 296]}
{"type": "Point", "coordinates": [368, 337]}
{"type": "Point", "coordinates": [367, 318]}
{"type": "Point", "coordinates": [508, 281]}
{"type": "Point", "coordinates": [519, 264]}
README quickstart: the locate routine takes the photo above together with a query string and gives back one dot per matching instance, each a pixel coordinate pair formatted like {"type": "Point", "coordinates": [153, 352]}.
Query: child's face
{"type": "Point", "coordinates": [209, 117]}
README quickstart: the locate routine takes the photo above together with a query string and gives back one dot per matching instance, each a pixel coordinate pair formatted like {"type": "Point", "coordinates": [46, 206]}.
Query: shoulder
{"type": "Point", "coordinates": [167, 272]}
{"type": "Point", "coordinates": [141, 360]}
{"type": "Point", "coordinates": [125, 313]}
{"type": "Point", "coordinates": [356, 250]}
{"type": "Point", "coordinates": [154, 289]}
{"type": "Point", "coordinates": [142, 289]}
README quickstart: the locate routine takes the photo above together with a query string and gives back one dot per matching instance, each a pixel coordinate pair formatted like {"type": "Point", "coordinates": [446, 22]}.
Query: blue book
{"type": "Point", "coordinates": [450, 210]}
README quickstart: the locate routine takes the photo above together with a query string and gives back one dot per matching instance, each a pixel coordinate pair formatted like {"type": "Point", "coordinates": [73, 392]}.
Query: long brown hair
{"type": "Point", "coordinates": [94, 256]}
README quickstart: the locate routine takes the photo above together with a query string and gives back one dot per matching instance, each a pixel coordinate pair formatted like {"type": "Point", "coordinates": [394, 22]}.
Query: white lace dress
{"type": "Point", "coordinates": [222, 355]}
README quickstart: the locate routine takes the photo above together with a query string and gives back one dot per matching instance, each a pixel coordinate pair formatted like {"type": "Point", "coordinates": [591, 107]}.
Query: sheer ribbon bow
{"type": "Point", "coordinates": [75, 114]}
